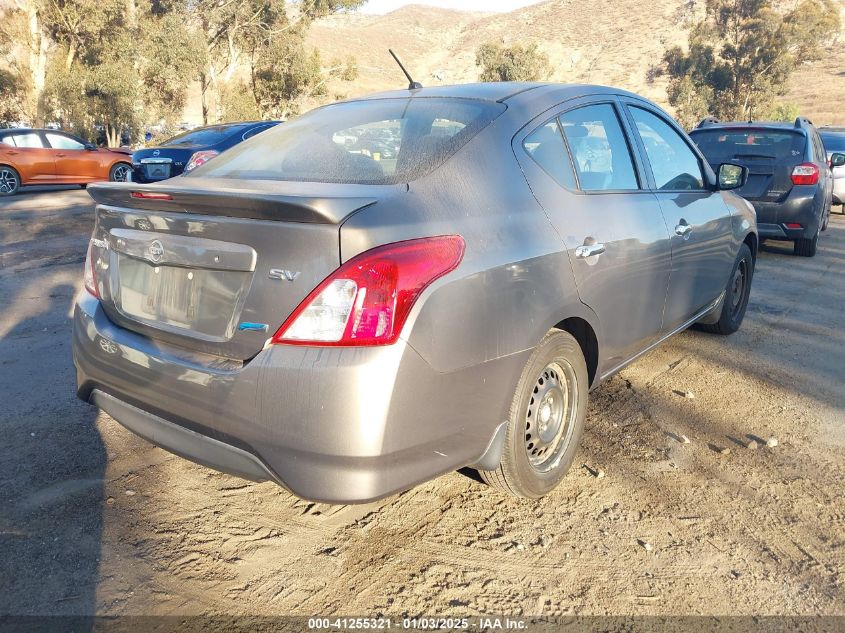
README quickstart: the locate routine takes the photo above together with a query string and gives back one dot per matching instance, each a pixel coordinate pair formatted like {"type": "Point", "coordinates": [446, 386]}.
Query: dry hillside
{"type": "Point", "coordinates": [611, 42]}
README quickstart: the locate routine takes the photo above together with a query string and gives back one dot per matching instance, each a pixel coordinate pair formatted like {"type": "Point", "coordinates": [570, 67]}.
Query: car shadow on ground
{"type": "Point", "coordinates": [52, 468]}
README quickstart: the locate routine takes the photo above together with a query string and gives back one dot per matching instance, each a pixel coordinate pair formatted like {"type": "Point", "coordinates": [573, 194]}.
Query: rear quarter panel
{"type": "Point", "coordinates": [515, 281]}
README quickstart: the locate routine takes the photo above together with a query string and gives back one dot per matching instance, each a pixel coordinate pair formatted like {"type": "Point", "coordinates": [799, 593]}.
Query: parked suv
{"type": "Point", "coordinates": [349, 325]}
{"type": "Point", "coordinates": [789, 183]}
{"type": "Point", "coordinates": [833, 139]}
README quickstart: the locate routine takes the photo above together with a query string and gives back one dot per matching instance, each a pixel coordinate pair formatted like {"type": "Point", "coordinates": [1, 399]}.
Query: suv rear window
{"type": "Point", "coordinates": [380, 141]}
{"type": "Point", "coordinates": [723, 145]}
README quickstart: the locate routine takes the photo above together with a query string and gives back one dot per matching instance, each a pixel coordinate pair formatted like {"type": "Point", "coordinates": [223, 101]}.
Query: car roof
{"type": "Point", "coordinates": [19, 130]}
{"type": "Point", "coordinates": [231, 124]}
{"type": "Point", "coordinates": [751, 125]}
{"type": "Point", "coordinates": [497, 91]}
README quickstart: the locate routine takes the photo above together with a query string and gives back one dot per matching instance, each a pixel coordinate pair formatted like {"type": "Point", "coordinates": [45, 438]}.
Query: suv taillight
{"type": "Point", "coordinates": [367, 300]}
{"type": "Point", "coordinates": [805, 174]}
{"type": "Point", "coordinates": [90, 274]}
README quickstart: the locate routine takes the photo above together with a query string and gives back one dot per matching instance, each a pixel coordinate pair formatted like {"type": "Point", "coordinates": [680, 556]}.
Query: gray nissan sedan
{"type": "Point", "coordinates": [394, 287]}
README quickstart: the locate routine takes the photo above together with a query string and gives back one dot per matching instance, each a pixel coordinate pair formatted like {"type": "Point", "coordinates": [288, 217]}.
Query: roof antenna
{"type": "Point", "coordinates": [412, 85]}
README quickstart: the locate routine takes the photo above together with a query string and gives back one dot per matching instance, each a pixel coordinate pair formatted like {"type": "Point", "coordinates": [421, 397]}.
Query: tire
{"type": "Point", "coordinates": [118, 172]}
{"type": "Point", "coordinates": [806, 247]}
{"type": "Point", "coordinates": [10, 181]}
{"type": "Point", "coordinates": [736, 295]}
{"type": "Point", "coordinates": [556, 374]}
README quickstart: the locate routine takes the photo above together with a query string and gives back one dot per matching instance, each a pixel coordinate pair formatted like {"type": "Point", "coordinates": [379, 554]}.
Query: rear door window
{"type": "Point", "coordinates": [723, 145]}
{"type": "Point", "coordinates": [377, 141]}
{"type": "Point", "coordinates": [27, 139]}
{"type": "Point", "coordinates": [545, 145]}
{"type": "Point", "coordinates": [600, 151]}
{"type": "Point", "coordinates": [674, 165]}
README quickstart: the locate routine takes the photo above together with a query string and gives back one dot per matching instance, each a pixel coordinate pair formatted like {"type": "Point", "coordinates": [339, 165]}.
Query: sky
{"type": "Point", "coordinates": [385, 6]}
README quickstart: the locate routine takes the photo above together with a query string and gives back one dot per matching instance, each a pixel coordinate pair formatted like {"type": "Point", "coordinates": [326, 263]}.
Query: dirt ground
{"type": "Point", "coordinates": [95, 520]}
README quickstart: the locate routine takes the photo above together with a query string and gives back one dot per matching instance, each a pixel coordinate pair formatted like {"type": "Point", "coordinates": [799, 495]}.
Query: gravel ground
{"type": "Point", "coordinates": [95, 520]}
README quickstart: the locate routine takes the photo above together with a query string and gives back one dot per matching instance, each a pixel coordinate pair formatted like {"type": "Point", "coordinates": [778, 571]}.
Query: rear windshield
{"type": "Point", "coordinates": [723, 145]}
{"type": "Point", "coordinates": [380, 141]}
{"type": "Point", "coordinates": [833, 141]}
{"type": "Point", "coordinates": [204, 136]}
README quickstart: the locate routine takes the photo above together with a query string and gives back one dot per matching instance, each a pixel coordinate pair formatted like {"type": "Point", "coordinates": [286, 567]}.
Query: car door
{"type": "Point", "coordinates": [698, 218]}
{"type": "Point", "coordinates": [74, 163]}
{"type": "Point", "coordinates": [26, 152]}
{"type": "Point", "coordinates": [611, 226]}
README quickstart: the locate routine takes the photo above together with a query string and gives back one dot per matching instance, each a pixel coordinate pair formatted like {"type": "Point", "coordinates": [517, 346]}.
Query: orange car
{"type": "Point", "coordinates": [51, 157]}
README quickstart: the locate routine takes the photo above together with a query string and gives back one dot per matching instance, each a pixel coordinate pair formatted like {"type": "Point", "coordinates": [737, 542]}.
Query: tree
{"type": "Point", "coordinates": [741, 55]}
{"type": "Point", "coordinates": [267, 36]}
{"type": "Point", "coordinates": [26, 47]}
{"type": "Point", "coordinates": [512, 63]}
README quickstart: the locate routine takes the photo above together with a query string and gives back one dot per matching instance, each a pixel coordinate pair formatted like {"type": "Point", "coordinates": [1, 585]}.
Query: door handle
{"type": "Point", "coordinates": [61, 155]}
{"type": "Point", "coordinates": [588, 250]}
{"type": "Point", "coordinates": [683, 229]}
{"type": "Point", "coordinates": [12, 153]}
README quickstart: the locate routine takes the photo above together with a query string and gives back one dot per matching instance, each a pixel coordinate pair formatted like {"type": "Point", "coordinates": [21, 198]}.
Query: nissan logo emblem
{"type": "Point", "coordinates": [155, 251]}
{"type": "Point", "coordinates": [156, 153]}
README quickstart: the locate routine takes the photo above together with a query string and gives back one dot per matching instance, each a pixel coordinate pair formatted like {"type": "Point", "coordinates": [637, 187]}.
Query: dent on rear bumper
{"type": "Point", "coordinates": [329, 424]}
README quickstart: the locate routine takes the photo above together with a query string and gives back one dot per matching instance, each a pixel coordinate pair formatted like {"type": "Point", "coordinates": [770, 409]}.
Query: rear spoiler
{"type": "Point", "coordinates": [259, 200]}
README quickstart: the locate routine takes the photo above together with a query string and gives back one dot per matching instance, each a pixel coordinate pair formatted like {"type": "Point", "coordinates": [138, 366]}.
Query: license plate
{"type": "Point", "coordinates": [157, 171]}
{"type": "Point", "coordinates": [200, 302]}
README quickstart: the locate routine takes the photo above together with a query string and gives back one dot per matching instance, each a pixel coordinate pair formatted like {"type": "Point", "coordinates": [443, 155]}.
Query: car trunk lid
{"type": "Point", "coordinates": [216, 266]}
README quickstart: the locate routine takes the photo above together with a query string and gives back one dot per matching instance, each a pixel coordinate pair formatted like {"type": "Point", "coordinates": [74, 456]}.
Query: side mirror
{"type": "Point", "coordinates": [837, 160]}
{"type": "Point", "coordinates": [732, 176]}
{"type": "Point", "coordinates": [90, 147]}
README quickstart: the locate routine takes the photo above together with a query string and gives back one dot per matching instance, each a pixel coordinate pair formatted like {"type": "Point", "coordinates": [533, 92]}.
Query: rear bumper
{"type": "Point", "coordinates": [801, 206]}
{"type": "Point", "coordinates": [778, 232]}
{"type": "Point", "coordinates": [334, 425]}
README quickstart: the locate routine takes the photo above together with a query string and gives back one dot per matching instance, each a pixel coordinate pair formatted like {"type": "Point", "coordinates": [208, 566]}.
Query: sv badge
{"type": "Point", "coordinates": [283, 275]}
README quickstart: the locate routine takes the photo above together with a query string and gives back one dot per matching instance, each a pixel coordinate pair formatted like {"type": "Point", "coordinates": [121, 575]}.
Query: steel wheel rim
{"type": "Point", "coordinates": [8, 181]}
{"type": "Point", "coordinates": [738, 287]}
{"type": "Point", "coordinates": [120, 173]}
{"type": "Point", "coordinates": [550, 415]}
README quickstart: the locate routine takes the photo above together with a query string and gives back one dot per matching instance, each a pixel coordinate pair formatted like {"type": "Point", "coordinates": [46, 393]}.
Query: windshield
{"type": "Point", "coordinates": [204, 136]}
{"type": "Point", "coordinates": [833, 141]}
{"type": "Point", "coordinates": [380, 141]}
{"type": "Point", "coordinates": [724, 145]}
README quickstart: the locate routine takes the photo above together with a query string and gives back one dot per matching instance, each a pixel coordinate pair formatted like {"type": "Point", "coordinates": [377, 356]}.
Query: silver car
{"type": "Point", "coordinates": [348, 323]}
{"type": "Point", "coordinates": [834, 143]}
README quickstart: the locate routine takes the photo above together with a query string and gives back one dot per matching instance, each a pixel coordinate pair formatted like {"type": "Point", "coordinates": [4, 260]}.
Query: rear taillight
{"type": "Point", "coordinates": [200, 158]}
{"type": "Point", "coordinates": [91, 274]}
{"type": "Point", "coordinates": [805, 174]}
{"type": "Point", "coordinates": [367, 300]}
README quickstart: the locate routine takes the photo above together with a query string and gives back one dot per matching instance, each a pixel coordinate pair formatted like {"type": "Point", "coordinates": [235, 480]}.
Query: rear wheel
{"type": "Point", "coordinates": [10, 181]}
{"type": "Point", "coordinates": [736, 295]}
{"type": "Point", "coordinates": [546, 419]}
{"type": "Point", "coordinates": [118, 172]}
{"type": "Point", "coordinates": [806, 247]}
